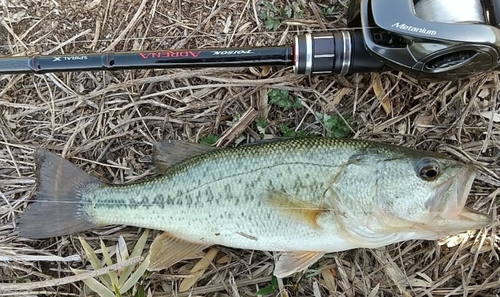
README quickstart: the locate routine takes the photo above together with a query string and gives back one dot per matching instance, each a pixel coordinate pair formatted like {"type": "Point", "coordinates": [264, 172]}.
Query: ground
{"type": "Point", "coordinates": [105, 122]}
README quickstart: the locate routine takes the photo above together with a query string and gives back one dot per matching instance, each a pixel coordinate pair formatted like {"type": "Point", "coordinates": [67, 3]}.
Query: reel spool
{"type": "Point", "coordinates": [455, 11]}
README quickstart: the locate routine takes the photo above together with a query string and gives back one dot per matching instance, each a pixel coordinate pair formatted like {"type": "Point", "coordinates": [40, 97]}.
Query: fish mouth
{"type": "Point", "coordinates": [464, 185]}
{"type": "Point", "coordinates": [449, 210]}
{"type": "Point", "coordinates": [455, 209]}
{"type": "Point", "coordinates": [451, 195]}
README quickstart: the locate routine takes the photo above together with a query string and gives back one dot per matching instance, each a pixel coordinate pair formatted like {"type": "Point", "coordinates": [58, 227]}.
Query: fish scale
{"type": "Point", "coordinates": [220, 196]}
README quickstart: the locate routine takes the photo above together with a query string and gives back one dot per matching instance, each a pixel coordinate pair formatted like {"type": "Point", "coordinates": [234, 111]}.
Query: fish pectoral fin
{"type": "Point", "coordinates": [166, 250]}
{"type": "Point", "coordinates": [291, 262]}
{"type": "Point", "coordinates": [170, 152]}
{"type": "Point", "coordinates": [295, 208]}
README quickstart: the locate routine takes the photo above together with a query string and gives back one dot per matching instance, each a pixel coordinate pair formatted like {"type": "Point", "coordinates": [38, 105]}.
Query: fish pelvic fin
{"type": "Point", "coordinates": [290, 262]}
{"type": "Point", "coordinates": [59, 208]}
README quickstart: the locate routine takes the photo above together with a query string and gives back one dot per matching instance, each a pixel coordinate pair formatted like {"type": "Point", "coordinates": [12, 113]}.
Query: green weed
{"type": "Point", "coordinates": [261, 124]}
{"type": "Point", "coordinates": [272, 15]}
{"type": "Point", "coordinates": [123, 281]}
{"type": "Point", "coordinates": [282, 99]}
{"type": "Point", "coordinates": [336, 126]}
{"type": "Point", "coordinates": [210, 139]}
{"type": "Point", "coordinates": [289, 132]}
{"type": "Point", "coordinates": [271, 288]}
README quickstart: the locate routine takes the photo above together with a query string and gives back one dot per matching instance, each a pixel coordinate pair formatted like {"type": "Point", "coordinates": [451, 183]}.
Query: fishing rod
{"type": "Point", "coordinates": [426, 39]}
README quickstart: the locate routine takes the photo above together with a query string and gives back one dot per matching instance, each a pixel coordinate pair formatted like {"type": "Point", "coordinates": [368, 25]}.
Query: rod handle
{"type": "Point", "coordinates": [340, 52]}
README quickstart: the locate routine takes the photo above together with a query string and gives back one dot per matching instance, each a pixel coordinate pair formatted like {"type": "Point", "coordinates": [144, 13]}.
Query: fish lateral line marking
{"type": "Point", "coordinates": [135, 203]}
{"type": "Point", "coordinates": [248, 172]}
{"type": "Point", "coordinates": [147, 205]}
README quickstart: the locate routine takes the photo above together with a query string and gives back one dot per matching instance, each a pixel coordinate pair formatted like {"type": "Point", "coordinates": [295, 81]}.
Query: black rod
{"type": "Point", "coordinates": [185, 58]}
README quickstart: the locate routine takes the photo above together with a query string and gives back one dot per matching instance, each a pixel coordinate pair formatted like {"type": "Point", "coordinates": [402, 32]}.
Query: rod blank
{"type": "Point", "coordinates": [194, 58]}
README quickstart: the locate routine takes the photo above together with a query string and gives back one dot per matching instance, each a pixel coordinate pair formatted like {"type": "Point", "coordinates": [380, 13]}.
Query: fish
{"type": "Point", "coordinates": [302, 198]}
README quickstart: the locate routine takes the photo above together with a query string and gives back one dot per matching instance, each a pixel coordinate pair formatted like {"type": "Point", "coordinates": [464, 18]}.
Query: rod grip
{"type": "Point", "coordinates": [340, 52]}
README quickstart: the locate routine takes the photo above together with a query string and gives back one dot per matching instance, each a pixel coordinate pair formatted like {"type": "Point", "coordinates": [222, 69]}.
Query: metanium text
{"type": "Point", "coordinates": [414, 29]}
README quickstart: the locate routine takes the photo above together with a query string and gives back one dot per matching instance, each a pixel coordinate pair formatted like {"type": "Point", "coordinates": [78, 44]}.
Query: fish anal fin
{"type": "Point", "coordinates": [291, 262]}
{"type": "Point", "coordinates": [166, 250]}
{"type": "Point", "coordinates": [170, 152]}
{"type": "Point", "coordinates": [295, 208]}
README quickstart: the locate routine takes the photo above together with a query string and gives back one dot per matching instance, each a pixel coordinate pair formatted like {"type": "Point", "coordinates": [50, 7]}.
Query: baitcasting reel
{"type": "Point", "coordinates": [431, 39]}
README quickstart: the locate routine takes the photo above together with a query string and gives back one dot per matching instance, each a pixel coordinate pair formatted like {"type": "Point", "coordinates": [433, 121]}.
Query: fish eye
{"type": "Point", "coordinates": [429, 169]}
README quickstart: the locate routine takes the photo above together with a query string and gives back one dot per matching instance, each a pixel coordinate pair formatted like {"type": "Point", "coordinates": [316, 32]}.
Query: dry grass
{"type": "Point", "coordinates": [105, 122]}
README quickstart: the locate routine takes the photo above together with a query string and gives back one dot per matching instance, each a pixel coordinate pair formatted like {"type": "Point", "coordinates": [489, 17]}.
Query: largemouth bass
{"type": "Point", "coordinates": [303, 197]}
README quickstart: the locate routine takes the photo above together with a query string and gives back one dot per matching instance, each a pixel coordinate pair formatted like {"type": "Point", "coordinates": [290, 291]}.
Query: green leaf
{"type": "Point", "coordinates": [210, 139]}
{"type": "Point", "coordinates": [117, 291]}
{"type": "Point", "coordinates": [272, 24]}
{"type": "Point", "coordinates": [140, 291]}
{"type": "Point", "coordinates": [282, 98]}
{"type": "Point", "coordinates": [278, 95]}
{"type": "Point", "coordinates": [98, 288]}
{"type": "Point", "coordinates": [274, 281]}
{"type": "Point", "coordinates": [107, 259]}
{"type": "Point", "coordinates": [286, 131]}
{"type": "Point", "coordinates": [94, 261]}
{"type": "Point", "coordinates": [286, 11]}
{"type": "Point", "coordinates": [89, 252]}
{"type": "Point", "coordinates": [289, 132]}
{"type": "Point", "coordinates": [261, 124]}
{"type": "Point", "coordinates": [137, 251]}
{"type": "Point", "coordinates": [302, 134]}
{"type": "Point", "coordinates": [141, 243]}
{"type": "Point", "coordinates": [298, 11]}
{"type": "Point", "coordinates": [266, 290]}
{"type": "Point", "coordinates": [329, 10]}
{"type": "Point", "coordinates": [268, 10]}
{"type": "Point", "coordinates": [134, 278]}
{"type": "Point", "coordinates": [336, 126]}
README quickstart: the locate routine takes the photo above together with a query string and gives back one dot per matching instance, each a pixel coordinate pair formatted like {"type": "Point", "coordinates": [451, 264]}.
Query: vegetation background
{"type": "Point", "coordinates": [105, 122]}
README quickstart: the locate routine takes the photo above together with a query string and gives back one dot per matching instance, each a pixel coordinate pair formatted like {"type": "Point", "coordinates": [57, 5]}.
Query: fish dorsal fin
{"type": "Point", "coordinates": [170, 152]}
{"type": "Point", "coordinates": [291, 262]}
{"type": "Point", "coordinates": [298, 209]}
{"type": "Point", "coordinates": [166, 250]}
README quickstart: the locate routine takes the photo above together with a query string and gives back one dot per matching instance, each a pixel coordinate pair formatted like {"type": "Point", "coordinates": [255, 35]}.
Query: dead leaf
{"type": "Point", "coordinates": [422, 122]}
{"type": "Point", "coordinates": [379, 91]}
{"type": "Point", "coordinates": [261, 71]}
{"type": "Point", "coordinates": [490, 116]}
{"type": "Point", "coordinates": [198, 270]}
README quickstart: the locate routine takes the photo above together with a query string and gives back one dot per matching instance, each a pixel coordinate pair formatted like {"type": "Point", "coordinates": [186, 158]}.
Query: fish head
{"type": "Point", "coordinates": [427, 192]}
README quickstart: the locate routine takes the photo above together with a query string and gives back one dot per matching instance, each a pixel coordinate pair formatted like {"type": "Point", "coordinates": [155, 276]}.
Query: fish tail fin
{"type": "Point", "coordinates": [59, 208]}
